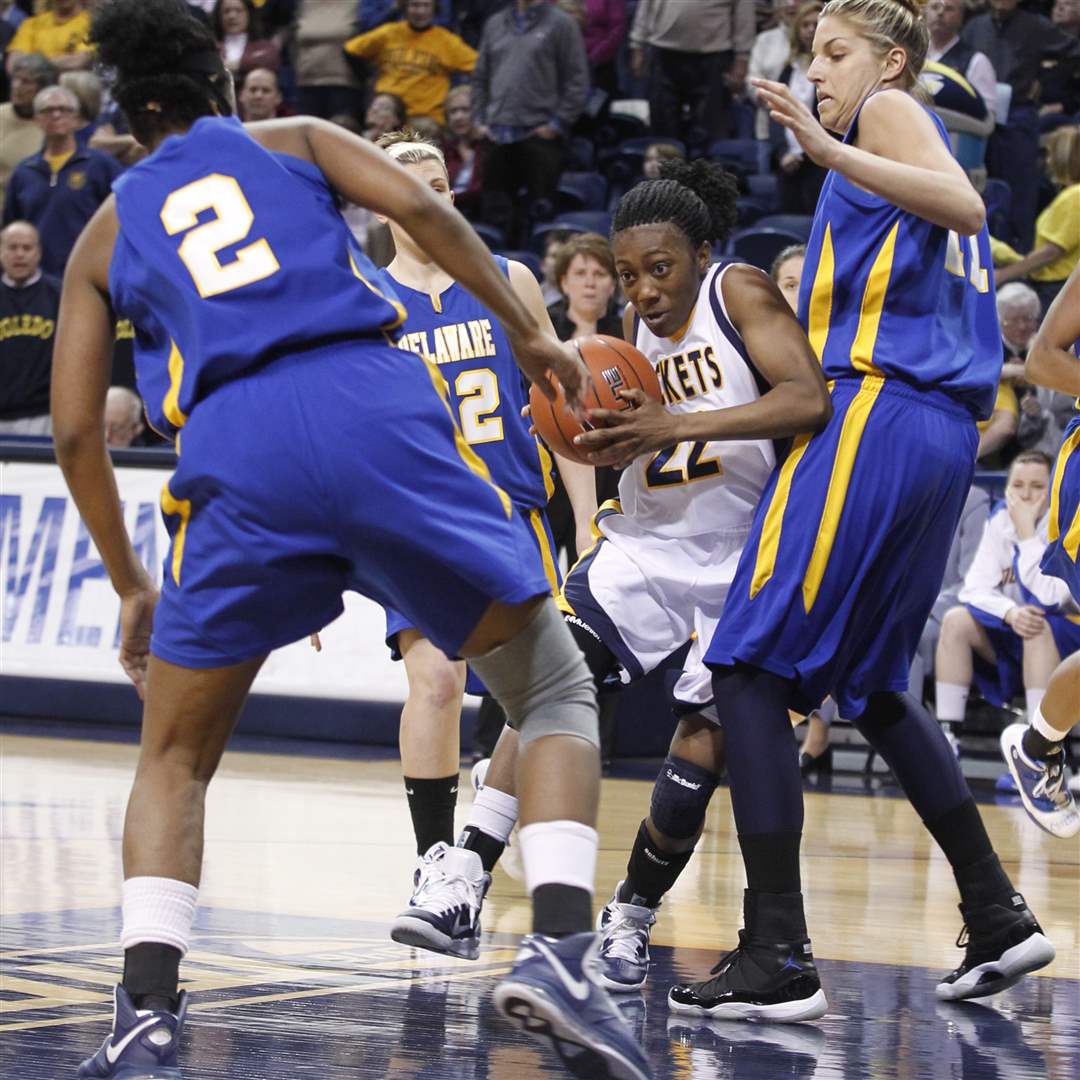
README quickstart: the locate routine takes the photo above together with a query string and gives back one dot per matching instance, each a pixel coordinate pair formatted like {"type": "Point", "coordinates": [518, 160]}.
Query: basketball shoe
{"type": "Point", "coordinates": [624, 944]}
{"type": "Point", "coordinates": [553, 994]}
{"type": "Point", "coordinates": [1041, 785]}
{"type": "Point", "coordinates": [142, 1044]}
{"type": "Point", "coordinates": [443, 915]}
{"type": "Point", "coordinates": [771, 975]}
{"type": "Point", "coordinates": [1003, 942]}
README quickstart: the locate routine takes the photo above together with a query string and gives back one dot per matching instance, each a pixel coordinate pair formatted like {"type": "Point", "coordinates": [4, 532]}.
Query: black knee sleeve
{"type": "Point", "coordinates": [680, 798]}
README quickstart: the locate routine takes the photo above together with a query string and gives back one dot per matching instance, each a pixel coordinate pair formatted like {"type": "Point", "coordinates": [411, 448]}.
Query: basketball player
{"type": "Point", "coordinates": [736, 372]}
{"type": "Point", "coordinates": [309, 448]}
{"type": "Point", "coordinates": [849, 544]}
{"type": "Point", "coordinates": [1035, 754]}
{"type": "Point", "coordinates": [462, 338]}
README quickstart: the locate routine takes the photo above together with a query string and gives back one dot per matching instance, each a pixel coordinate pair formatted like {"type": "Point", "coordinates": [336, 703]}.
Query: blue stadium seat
{"type": "Point", "coordinates": [529, 258]}
{"type": "Point", "coordinates": [582, 191]}
{"type": "Point", "coordinates": [624, 126]}
{"type": "Point", "coordinates": [997, 197]}
{"type": "Point", "coordinates": [799, 224]}
{"type": "Point", "coordinates": [749, 210]}
{"type": "Point", "coordinates": [759, 246]}
{"type": "Point", "coordinates": [738, 155]}
{"type": "Point", "coordinates": [598, 221]}
{"type": "Point", "coordinates": [580, 153]}
{"type": "Point", "coordinates": [763, 187]}
{"type": "Point", "coordinates": [539, 232]}
{"type": "Point", "coordinates": [494, 237]}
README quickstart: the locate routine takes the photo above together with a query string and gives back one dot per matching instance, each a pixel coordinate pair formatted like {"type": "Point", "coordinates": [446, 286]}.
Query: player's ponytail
{"type": "Point", "coordinates": [696, 196]}
{"type": "Point", "coordinates": [164, 65]}
{"type": "Point", "coordinates": [889, 24]}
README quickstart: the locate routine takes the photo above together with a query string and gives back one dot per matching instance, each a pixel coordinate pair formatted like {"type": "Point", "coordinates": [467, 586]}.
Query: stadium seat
{"type": "Point", "coordinates": [997, 197]}
{"type": "Point", "coordinates": [624, 126]}
{"type": "Point", "coordinates": [799, 224]}
{"type": "Point", "coordinates": [749, 210]}
{"type": "Point", "coordinates": [738, 155]}
{"type": "Point", "coordinates": [760, 246]}
{"type": "Point", "coordinates": [763, 187]}
{"type": "Point", "coordinates": [580, 153]}
{"type": "Point", "coordinates": [598, 221]}
{"type": "Point", "coordinates": [494, 237]}
{"type": "Point", "coordinates": [528, 258]}
{"type": "Point", "coordinates": [582, 191]}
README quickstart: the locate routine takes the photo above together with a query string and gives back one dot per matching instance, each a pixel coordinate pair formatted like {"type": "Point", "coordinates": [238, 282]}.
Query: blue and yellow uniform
{"type": "Point", "coordinates": [850, 540]}
{"type": "Point", "coordinates": [462, 339]}
{"type": "Point", "coordinates": [1062, 556]}
{"type": "Point", "coordinates": [316, 457]}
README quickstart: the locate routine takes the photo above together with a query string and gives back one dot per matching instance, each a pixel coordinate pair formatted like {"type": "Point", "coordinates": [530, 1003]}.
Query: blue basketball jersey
{"type": "Point", "coordinates": [487, 390]}
{"type": "Point", "coordinates": [227, 256]}
{"type": "Point", "coordinates": [887, 293]}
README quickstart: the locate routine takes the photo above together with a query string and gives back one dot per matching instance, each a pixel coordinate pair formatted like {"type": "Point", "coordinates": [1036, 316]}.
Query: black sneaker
{"type": "Point", "coordinates": [1004, 942]}
{"type": "Point", "coordinates": [760, 980]}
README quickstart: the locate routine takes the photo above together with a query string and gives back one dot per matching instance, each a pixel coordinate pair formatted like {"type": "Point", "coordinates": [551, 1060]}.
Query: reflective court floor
{"type": "Point", "coordinates": [292, 972]}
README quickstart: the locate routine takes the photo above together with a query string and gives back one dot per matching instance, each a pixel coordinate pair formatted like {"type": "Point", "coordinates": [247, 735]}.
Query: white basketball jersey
{"type": "Point", "coordinates": [698, 488]}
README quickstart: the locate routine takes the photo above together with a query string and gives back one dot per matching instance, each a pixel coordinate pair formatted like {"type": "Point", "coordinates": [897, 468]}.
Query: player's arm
{"type": "Point", "coordinates": [367, 177]}
{"type": "Point", "coordinates": [898, 156]}
{"type": "Point", "coordinates": [1050, 361]}
{"type": "Point", "coordinates": [82, 364]}
{"type": "Point", "coordinates": [579, 480]}
{"type": "Point", "coordinates": [797, 401]}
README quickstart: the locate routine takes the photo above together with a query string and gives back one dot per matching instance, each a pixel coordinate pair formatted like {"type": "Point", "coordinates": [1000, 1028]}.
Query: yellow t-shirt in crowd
{"type": "Point", "coordinates": [45, 34]}
{"type": "Point", "coordinates": [414, 65]}
{"type": "Point", "coordinates": [1059, 224]}
{"type": "Point", "coordinates": [1005, 402]}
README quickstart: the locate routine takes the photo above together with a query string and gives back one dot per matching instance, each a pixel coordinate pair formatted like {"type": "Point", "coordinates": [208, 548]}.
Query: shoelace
{"type": "Point", "coordinates": [626, 937]}
{"type": "Point", "coordinates": [443, 892]}
{"type": "Point", "coordinates": [729, 958]}
{"type": "Point", "coordinates": [1052, 784]}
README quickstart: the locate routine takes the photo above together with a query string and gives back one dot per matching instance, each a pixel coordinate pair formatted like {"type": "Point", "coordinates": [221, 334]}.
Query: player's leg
{"type": "Point", "coordinates": [187, 720]}
{"type": "Point", "coordinates": [815, 754]}
{"type": "Point", "coordinates": [961, 640]}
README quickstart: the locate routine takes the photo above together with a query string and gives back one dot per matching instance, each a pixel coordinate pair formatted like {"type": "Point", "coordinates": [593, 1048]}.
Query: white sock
{"type": "Point", "coordinates": [1033, 699]}
{"type": "Point", "coordinates": [159, 910]}
{"type": "Point", "coordinates": [1038, 722]}
{"type": "Point", "coordinates": [951, 702]}
{"type": "Point", "coordinates": [559, 853]}
{"type": "Point", "coordinates": [494, 813]}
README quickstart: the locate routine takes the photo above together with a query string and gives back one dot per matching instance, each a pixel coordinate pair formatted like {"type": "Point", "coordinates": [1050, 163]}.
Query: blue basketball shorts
{"type": "Point", "coordinates": [849, 544]}
{"type": "Point", "coordinates": [540, 530]}
{"type": "Point", "coordinates": [337, 468]}
{"type": "Point", "coordinates": [1062, 555]}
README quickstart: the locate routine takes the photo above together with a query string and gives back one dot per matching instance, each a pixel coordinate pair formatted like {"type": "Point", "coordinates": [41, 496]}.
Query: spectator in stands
{"type": "Point", "coordinates": [696, 57]}
{"type": "Point", "coordinates": [1057, 230]}
{"type": "Point", "coordinates": [59, 34]}
{"type": "Point", "coordinates": [385, 113]}
{"type": "Point", "coordinates": [996, 434]}
{"type": "Point", "coordinates": [86, 87]}
{"type": "Point", "coordinates": [1018, 43]}
{"type": "Point", "coordinates": [529, 88]}
{"type": "Point", "coordinates": [1018, 316]}
{"type": "Point", "coordinates": [1059, 81]}
{"type": "Point", "coordinates": [655, 154]}
{"type": "Point", "coordinates": [374, 13]}
{"type": "Point", "coordinates": [123, 417]}
{"type": "Point", "coordinates": [799, 180]}
{"type": "Point", "coordinates": [585, 270]}
{"type": "Point", "coordinates": [260, 96]}
{"type": "Point", "coordinates": [325, 79]}
{"type": "Point", "coordinates": [605, 28]}
{"type": "Point", "coordinates": [945, 20]}
{"type": "Point", "coordinates": [787, 270]}
{"type": "Point", "coordinates": [549, 284]}
{"type": "Point", "coordinates": [59, 188]}
{"type": "Point", "coordinates": [238, 29]}
{"type": "Point", "coordinates": [1008, 632]}
{"type": "Point", "coordinates": [30, 73]}
{"type": "Point", "coordinates": [415, 59]}
{"type": "Point", "coordinates": [471, 17]}
{"type": "Point", "coordinates": [768, 57]}
{"type": "Point", "coordinates": [29, 303]}
{"type": "Point", "coordinates": [461, 146]}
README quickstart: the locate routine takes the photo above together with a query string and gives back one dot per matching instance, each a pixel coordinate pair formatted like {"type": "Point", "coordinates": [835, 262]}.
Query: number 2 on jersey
{"type": "Point", "coordinates": [232, 222]}
{"type": "Point", "coordinates": [661, 473]}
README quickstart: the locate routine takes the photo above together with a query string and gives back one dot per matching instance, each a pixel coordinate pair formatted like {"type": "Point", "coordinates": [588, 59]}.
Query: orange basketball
{"type": "Point", "coordinates": [614, 365]}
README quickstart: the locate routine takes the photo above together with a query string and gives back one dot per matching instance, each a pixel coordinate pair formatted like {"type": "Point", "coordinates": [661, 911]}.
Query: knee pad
{"type": "Point", "coordinates": [884, 708]}
{"type": "Point", "coordinates": [680, 798]}
{"type": "Point", "coordinates": [542, 681]}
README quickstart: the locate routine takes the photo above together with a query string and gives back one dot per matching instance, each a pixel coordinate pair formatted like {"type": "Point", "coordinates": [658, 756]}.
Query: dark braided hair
{"type": "Point", "coordinates": [165, 68]}
{"type": "Point", "coordinates": [697, 197]}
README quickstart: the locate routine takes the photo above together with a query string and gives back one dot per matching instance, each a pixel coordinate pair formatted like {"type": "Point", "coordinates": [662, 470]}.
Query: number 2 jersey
{"type": "Point", "coordinates": [229, 255]}
{"type": "Point", "coordinates": [471, 351]}
{"type": "Point", "coordinates": [703, 488]}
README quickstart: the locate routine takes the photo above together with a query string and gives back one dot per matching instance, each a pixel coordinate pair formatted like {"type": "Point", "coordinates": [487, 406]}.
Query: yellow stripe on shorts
{"type": "Point", "coordinates": [182, 509]}
{"type": "Point", "coordinates": [769, 544]}
{"type": "Point", "coordinates": [858, 412]}
{"type": "Point", "coordinates": [536, 520]}
{"type": "Point", "coordinates": [1071, 543]}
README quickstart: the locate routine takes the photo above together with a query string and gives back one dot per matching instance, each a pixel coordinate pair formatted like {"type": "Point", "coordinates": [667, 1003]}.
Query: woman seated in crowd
{"type": "Point", "coordinates": [585, 271]}
{"type": "Point", "coordinates": [461, 145]}
{"type": "Point", "coordinates": [238, 28]}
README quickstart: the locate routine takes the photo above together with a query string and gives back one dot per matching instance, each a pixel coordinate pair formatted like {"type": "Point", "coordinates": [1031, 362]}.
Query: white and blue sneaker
{"type": "Point", "coordinates": [443, 915]}
{"type": "Point", "coordinates": [142, 1044]}
{"type": "Point", "coordinates": [1041, 785]}
{"type": "Point", "coordinates": [554, 995]}
{"type": "Point", "coordinates": [624, 944]}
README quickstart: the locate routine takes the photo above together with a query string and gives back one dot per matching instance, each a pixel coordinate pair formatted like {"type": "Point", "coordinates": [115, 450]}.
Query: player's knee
{"type": "Point", "coordinates": [957, 626]}
{"type": "Point", "coordinates": [439, 687]}
{"type": "Point", "coordinates": [680, 798]}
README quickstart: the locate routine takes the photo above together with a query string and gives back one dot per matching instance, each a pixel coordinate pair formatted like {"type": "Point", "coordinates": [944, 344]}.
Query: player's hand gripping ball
{"type": "Point", "coordinates": [613, 365]}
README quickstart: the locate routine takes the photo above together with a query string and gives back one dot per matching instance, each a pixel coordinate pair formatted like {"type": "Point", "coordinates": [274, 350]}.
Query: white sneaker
{"type": "Point", "coordinates": [443, 915]}
{"type": "Point", "coordinates": [1041, 785]}
{"type": "Point", "coordinates": [624, 944]}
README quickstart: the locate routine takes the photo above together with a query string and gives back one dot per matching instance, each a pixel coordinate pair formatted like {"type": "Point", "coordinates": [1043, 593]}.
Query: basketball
{"type": "Point", "coordinates": [613, 365]}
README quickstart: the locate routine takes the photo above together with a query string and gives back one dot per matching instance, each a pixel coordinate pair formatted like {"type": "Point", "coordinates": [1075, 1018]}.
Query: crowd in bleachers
{"type": "Point", "coordinates": [548, 111]}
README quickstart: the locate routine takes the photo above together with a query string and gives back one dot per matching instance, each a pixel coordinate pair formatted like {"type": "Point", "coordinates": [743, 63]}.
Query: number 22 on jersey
{"type": "Point", "coordinates": [231, 224]}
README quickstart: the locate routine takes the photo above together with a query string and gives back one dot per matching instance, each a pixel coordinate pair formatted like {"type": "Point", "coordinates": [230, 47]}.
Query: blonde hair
{"type": "Point", "coordinates": [1063, 155]}
{"type": "Point", "coordinates": [796, 21]}
{"type": "Point", "coordinates": [409, 147]}
{"type": "Point", "coordinates": [889, 24]}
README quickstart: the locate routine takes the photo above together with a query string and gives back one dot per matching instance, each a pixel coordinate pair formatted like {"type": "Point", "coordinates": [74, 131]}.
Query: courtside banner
{"type": "Point", "coordinates": [59, 615]}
